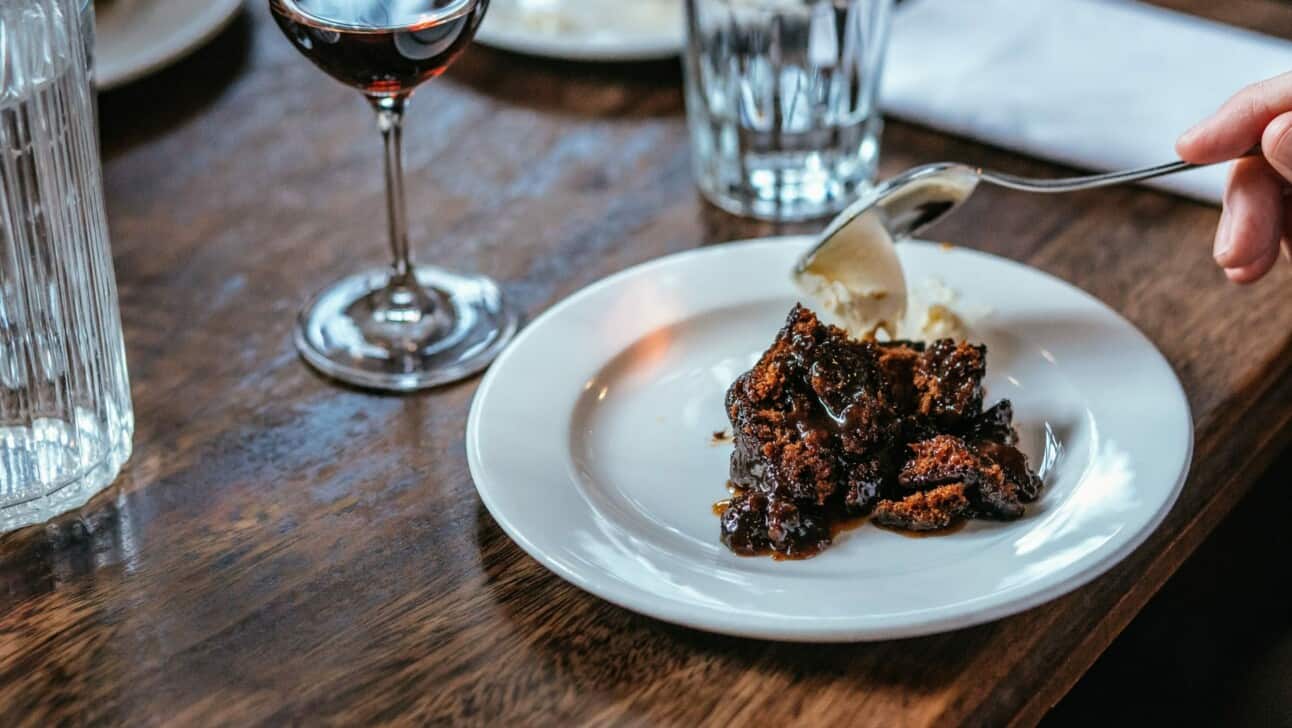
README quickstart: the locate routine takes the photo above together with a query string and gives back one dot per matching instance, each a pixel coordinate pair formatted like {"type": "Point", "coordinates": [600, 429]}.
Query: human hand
{"type": "Point", "coordinates": [1257, 216]}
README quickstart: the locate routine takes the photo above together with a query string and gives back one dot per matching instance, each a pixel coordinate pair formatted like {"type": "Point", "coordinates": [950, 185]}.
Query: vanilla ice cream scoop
{"type": "Point", "coordinates": [858, 277]}
{"type": "Point", "coordinates": [854, 272]}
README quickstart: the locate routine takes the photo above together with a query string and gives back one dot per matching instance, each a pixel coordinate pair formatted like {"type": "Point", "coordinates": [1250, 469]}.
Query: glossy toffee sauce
{"type": "Point", "coordinates": [838, 527]}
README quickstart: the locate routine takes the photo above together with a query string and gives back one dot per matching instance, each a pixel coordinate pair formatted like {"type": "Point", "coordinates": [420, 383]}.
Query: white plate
{"type": "Point", "coordinates": [586, 30]}
{"type": "Point", "coordinates": [590, 442]}
{"type": "Point", "coordinates": [137, 37]}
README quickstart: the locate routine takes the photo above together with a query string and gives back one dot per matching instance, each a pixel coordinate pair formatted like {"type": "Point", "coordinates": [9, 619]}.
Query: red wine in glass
{"type": "Point", "coordinates": [381, 47]}
{"type": "Point", "coordinates": [403, 327]}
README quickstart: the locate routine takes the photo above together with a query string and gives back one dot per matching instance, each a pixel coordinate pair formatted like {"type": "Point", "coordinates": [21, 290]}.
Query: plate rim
{"type": "Point", "coordinates": [658, 47]}
{"type": "Point", "coordinates": [795, 632]}
{"type": "Point", "coordinates": [191, 36]}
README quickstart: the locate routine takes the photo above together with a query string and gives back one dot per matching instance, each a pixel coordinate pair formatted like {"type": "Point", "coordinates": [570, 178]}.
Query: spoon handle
{"type": "Point", "coordinates": [1072, 184]}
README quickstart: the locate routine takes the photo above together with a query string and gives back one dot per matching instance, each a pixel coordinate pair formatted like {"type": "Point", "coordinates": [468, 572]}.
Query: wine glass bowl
{"type": "Point", "coordinates": [380, 48]}
{"type": "Point", "coordinates": [406, 326]}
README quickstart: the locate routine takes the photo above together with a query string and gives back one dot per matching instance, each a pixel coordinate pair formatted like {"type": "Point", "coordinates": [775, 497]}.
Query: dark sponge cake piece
{"type": "Point", "coordinates": [940, 460]}
{"type": "Point", "coordinates": [929, 510]}
{"type": "Point", "coordinates": [854, 395]}
{"type": "Point", "coordinates": [814, 407]}
{"type": "Point", "coordinates": [948, 381]}
{"type": "Point", "coordinates": [898, 360]}
{"type": "Point", "coordinates": [866, 481]}
{"type": "Point", "coordinates": [812, 423]}
{"type": "Point", "coordinates": [995, 424]}
{"type": "Point", "coordinates": [1022, 482]}
{"type": "Point", "coordinates": [994, 490]}
{"type": "Point", "coordinates": [753, 523]}
{"type": "Point", "coordinates": [993, 437]}
{"type": "Point", "coordinates": [744, 524]}
{"type": "Point", "coordinates": [995, 497]}
{"type": "Point", "coordinates": [827, 428]}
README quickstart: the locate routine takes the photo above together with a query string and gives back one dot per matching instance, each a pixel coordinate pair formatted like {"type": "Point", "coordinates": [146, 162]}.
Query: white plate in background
{"type": "Point", "coordinates": [137, 37]}
{"type": "Point", "coordinates": [590, 442]}
{"type": "Point", "coordinates": [586, 30]}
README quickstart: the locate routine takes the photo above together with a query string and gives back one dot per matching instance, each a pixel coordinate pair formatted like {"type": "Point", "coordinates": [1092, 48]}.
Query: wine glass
{"type": "Point", "coordinates": [405, 327]}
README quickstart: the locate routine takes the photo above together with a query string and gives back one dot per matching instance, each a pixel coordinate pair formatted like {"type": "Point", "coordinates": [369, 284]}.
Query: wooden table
{"type": "Point", "coordinates": [281, 549]}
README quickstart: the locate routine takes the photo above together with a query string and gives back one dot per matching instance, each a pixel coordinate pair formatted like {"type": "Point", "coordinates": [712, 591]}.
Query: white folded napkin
{"type": "Point", "coordinates": [1098, 84]}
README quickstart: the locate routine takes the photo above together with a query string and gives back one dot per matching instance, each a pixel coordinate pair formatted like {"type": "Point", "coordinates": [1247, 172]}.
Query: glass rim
{"type": "Point", "coordinates": [420, 20]}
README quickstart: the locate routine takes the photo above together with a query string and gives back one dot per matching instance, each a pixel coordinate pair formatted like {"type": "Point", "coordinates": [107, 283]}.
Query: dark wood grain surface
{"type": "Point", "coordinates": [281, 550]}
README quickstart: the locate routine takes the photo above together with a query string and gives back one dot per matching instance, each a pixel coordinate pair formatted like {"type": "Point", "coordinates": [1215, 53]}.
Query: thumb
{"type": "Point", "coordinates": [1276, 145]}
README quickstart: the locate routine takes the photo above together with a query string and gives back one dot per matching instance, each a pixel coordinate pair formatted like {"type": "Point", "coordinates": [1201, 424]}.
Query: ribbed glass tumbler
{"type": "Point", "coordinates": [782, 102]}
{"type": "Point", "coordinates": [66, 421]}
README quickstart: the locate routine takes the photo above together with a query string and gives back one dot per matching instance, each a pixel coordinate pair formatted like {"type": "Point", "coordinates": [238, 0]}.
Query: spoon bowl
{"type": "Point", "coordinates": [904, 205]}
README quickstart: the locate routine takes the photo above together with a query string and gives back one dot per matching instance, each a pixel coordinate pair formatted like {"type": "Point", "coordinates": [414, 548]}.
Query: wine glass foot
{"type": "Point", "coordinates": [362, 331]}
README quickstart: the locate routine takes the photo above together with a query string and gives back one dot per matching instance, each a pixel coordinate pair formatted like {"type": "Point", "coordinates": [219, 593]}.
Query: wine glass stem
{"type": "Point", "coordinates": [390, 120]}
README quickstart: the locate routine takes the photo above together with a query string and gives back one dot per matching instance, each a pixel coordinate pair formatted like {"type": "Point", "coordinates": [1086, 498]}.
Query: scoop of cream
{"type": "Point", "coordinates": [857, 277]}
{"type": "Point", "coordinates": [931, 316]}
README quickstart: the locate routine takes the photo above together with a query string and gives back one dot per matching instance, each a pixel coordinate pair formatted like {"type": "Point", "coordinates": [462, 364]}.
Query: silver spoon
{"type": "Point", "coordinates": [854, 271]}
{"type": "Point", "coordinates": [918, 197]}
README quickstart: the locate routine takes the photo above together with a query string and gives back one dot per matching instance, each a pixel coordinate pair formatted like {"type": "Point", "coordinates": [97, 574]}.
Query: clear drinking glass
{"type": "Point", "coordinates": [781, 100]}
{"type": "Point", "coordinates": [404, 327]}
{"type": "Point", "coordinates": [66, 421]}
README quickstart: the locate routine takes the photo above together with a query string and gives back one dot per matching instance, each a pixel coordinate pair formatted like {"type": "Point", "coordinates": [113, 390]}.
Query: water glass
{"type": "Point", "coordinates": [66, 420]}
{"type": "Point", "coordinates": [781, 99]}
